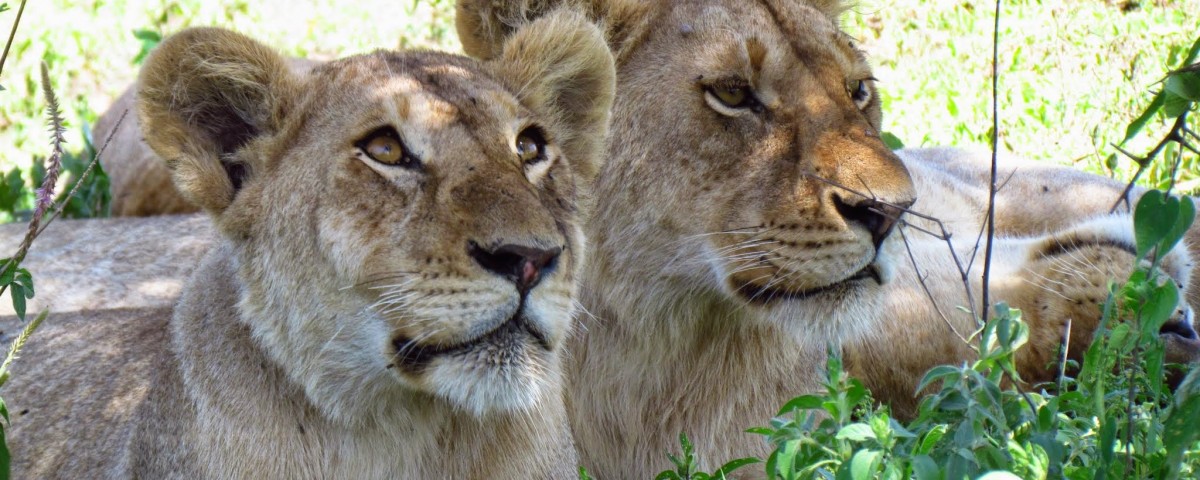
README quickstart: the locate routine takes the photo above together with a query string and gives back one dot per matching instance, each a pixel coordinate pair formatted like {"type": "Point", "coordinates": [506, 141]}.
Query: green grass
{"type": "Point", "coordinates": [1073, 73]}
{"type": "Point", "coordinates": [90, 49]}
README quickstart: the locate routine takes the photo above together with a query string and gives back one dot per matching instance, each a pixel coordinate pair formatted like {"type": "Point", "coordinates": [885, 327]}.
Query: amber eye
{"type": "Point", "coordinates": [531, 145]}
{"type": "Point", "coordinates": [858, 91]}
{"type": "Point", "coordinates": [384, 146]}
{"type": "Point", "coordinates": [731, 96]}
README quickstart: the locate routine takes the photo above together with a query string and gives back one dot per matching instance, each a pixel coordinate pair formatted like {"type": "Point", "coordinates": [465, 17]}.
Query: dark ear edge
{"type": "Point", "coordinates": [203, 95]}
{"type": "Point", "coordinates": [560, 67]}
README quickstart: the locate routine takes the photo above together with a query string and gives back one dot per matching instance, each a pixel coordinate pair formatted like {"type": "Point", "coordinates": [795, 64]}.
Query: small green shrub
{"type": "Point", "coordinates": [1114, 420]}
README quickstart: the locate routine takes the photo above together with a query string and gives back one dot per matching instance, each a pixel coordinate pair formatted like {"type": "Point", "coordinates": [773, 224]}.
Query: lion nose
{"type": "Point", "coordinates": [878, 217]}
{"type": "Point", "coordinates": [1180, 326]}
{"type": "Point", "coordinates": [524, 266]}
{"type": "Point", "coordinates": [1180, 338]}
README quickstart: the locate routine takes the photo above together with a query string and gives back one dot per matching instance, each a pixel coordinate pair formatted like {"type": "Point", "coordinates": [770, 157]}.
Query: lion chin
{"type": "Point", "coordinates": [507, 370]}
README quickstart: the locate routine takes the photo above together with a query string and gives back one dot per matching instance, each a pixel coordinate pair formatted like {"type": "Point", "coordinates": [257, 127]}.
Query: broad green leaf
{"type": "Point", "coordinates": [1108, 441]}
{"type": "Point", "coordinates": [803, 402]}
{"type": "Point", "coordinates": [6, 277]}
{"type": "Point", "coordinates": [785, 459]}
{"type": "Point", "coordinates": [1179, 428]}
{"type": "Point", "coordinates": [25, 280]}
{"type": "Point", "coordinates": [856, 432]}
{"type": "Point", "coordinates": [18, 300]}
{"type": "Point", "coordinates": [5, 457]}
{"type": "Point", "coordinates": [147, 35]}
{"type": "Point", "coordinates": [1185, 85]}
{"type": "Point", "coordinates": [730, 466]}
{"type": "Point", "coordinates": [931, 439]}
{"type": "Point", "coordinates": [1137, 124]}
{"type": "Point", "coordinates": [1159, 306]}
{"type": "Point", "coordinates": [864, 464]}
{"type": "Point", "coordinates": [1174, 105]}
{"type": "Point", "coordinates": [1153, 217]}
{"type": "Point", "coordinates": [924, 468]}
{"type": "Point", "coordinates": [940, 372]}
{"type": "Point", "coordinates": [1184, 217]}
{"type": "Point", "coordinates": [891, 140]}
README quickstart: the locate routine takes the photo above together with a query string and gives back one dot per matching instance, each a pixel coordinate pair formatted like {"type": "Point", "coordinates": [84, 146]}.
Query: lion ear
{"type": "Point", "coordinates": [560, 67]}
{"type": "Point", "coordinates": [483, 25]}
{"type": "Point", "coordinates": [203, 95]}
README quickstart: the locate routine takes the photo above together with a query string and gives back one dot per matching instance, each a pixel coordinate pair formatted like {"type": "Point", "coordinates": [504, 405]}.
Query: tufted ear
{"type": "Point", "coordinates": [203, 95]}
{"type": "Point", "coordinates": [560, 67]}
{"type": "Point", "coordinates": [483, 25]}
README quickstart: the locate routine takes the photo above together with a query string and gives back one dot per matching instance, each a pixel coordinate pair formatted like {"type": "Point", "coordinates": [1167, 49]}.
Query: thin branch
{"type": "Point", "coordinates": [924, 286]}
{"type": "Point", "coordinates": [1065, 349]}
{"type": "Point", "coordinates": [1175, 167]}
{"type": "Point", "coordinates": [991, 210]}
{"type": "Point", "coordinates": [12, 35]}
{"type": "Point", "coordinates": [1177, 135]}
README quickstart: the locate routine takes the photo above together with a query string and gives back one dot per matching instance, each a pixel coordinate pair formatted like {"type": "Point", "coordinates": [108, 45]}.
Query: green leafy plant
{"type": "Point", "coordinates": [1114, 420]}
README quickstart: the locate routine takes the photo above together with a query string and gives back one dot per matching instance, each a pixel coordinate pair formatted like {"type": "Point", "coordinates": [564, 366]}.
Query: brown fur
{"type": "Point", "coordinates": [699, 201]}
{"type": "Point", "coordinates": [289, 352]}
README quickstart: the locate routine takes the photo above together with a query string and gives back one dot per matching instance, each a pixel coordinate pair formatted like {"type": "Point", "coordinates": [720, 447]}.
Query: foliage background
{"type": "Point", "coordinates": [1073, 72]}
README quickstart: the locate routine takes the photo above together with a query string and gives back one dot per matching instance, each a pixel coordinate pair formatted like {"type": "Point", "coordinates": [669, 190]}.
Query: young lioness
{"type": "Point", "coordinates": [392, 286]}
{"type": "Point", "coordinates": [745, 219]}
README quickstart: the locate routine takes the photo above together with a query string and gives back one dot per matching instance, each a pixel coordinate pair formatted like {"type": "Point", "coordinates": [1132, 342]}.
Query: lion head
{"type": "Point", "coordinates": [745, 158]}
{"type": "Point", "coordinates": [398, 222]}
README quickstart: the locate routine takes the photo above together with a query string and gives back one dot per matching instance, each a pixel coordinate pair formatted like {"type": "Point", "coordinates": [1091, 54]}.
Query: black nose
{"type": "Point", "coordinates": [524, 266]}
{"type": "Point", "coordinates": [878, 217]}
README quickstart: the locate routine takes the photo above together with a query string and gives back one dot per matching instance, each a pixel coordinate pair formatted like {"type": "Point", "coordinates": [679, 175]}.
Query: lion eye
{"type": "Point", "coordinates": [733, 95]}
{"type": "Point", "coordinates": [531, 145]}
{"type": "Point", "coordinates": [384, 146]}
{"type": "Point", "coordinates": [858, 91]}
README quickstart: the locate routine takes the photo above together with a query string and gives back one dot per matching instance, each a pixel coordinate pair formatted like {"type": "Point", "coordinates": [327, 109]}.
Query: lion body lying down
{"type": "Point", "coordinates": [391, 282]}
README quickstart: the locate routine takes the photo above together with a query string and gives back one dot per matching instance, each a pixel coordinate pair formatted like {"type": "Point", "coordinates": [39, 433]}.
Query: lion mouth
{"type": "Point", "coordinates": [510, 336]}
{"type": "Point", "coordinates": [765, 294]}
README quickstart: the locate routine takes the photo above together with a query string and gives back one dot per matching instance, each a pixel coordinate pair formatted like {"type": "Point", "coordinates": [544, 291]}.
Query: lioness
{"type": "Point", "coordinates": [745, 218]}
{"type": "Point", "coordinates": [391, 286]}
